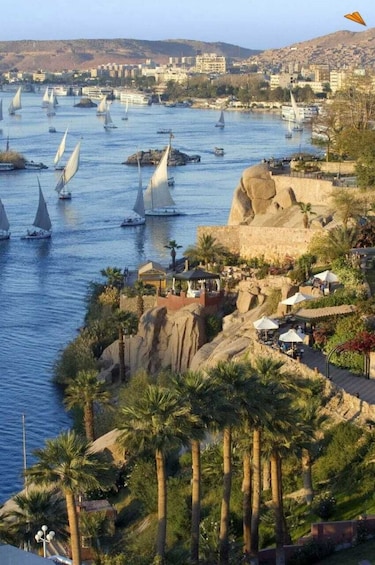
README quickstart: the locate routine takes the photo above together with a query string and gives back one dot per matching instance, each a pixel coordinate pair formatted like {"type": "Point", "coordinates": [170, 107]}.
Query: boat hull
{"type": "Point", "coordinates": [163, 212]}
{"type": "Point", "coordinates": [4, 236]}
{"type": "Point", "coordinates": [65, 196]}
{"type": "Point", "coordinates": [131, 222]}
{"type": "Point", "coordinates": [30, 236]}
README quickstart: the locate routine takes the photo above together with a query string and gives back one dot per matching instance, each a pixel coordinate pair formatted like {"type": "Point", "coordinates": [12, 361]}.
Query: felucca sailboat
{"type": "Point", "coordinates": [16, 103]}
{"type": "Point", "coordinates": [42, 221]}
{"type": "Point", "coordinates": [60, 152]}
{"type": "Point", "coordinates": [139, 206]}
{"type": "Point", "coordinates": [68, 173]}
{"type": "Point", "coordinates": [4, 223]}
{"type": "Point", "coordinates": [158, 199]}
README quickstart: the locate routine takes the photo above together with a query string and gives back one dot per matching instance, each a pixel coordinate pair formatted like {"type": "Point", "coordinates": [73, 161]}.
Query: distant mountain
{"type": "Point", "coordinates": [81, 54]}
{"type": "Point", "coordinates": [339, 49]}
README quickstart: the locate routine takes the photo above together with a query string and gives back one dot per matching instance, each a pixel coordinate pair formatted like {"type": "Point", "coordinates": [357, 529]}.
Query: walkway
{"type": "Point", "coordinates": [355, 385]}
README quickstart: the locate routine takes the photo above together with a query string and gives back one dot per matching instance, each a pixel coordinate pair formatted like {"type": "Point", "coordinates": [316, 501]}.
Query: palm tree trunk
{"type": "Point", "coordinates": [162, 505]}
{"type": "Point", "coordinates": [89, 421]}
{"type": "Point", "coordinates": [75, 541]}
{"type": "Point", "coordinates": [246, 502]}
{"type": "Point", "coordinates": [275, 487]}
{"type": "Point", "coordinates": [121, 355]}
{"type": "Point", "coordinates": [255, 514]}
{"type": "Point", "coordinates": [266, 475]}
{"type": "Point", "coordinates": [195, 500]}
{"type": "Point", "coordinates": [307, 476]}
{"type": "Point", "coordinates": [225, 503]}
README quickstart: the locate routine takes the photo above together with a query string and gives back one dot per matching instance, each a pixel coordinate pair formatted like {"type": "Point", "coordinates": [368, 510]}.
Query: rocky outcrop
{"type": "Point", "coordinates": [153, 156]}
{"type": "Point", "coordinates": [165, 340]}
{"type": "Point", "coordinates": [85, 103]}
{"type": "Point", "coordinates": [262, 199]}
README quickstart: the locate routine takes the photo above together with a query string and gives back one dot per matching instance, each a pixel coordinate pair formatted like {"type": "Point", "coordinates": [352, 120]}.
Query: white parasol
{"type": "Point", "coordinates": [327, 276]}
{"type": "Point", "coordinates": [292, 336]}
{"type": "Point", "coordinates": [297, 298]}
{"type": "Point", "coordinates": [265, 323]}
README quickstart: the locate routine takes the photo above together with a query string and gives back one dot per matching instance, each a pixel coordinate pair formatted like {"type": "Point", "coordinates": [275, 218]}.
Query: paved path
{"type": "Point", "coordinates": [355, 385]}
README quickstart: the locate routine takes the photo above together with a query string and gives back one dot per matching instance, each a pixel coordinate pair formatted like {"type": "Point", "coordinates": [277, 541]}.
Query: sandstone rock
{"type": "Point", "coordinates": [285, 198]}
{"type": "Point", "coordinates": [164, 339]}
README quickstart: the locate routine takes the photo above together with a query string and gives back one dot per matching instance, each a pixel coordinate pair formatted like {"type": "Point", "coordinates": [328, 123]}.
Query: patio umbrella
{"type": "Point", "coordinates": [292, 336]}
{"type": "Point", "coordinates": [327, 276]}
{"type": "Point", "coordinates": [296, 298]}
{"type": "Point", "coordinates": [265, 323]}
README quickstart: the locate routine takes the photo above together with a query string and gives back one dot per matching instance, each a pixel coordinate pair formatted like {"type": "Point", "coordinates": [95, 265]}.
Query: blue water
{"type": "Point", "coordinates": [43, 284]}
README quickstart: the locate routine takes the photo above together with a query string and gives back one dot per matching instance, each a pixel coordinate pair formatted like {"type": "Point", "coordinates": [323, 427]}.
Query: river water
{"type": "Point", "coordinates": [43, 283]}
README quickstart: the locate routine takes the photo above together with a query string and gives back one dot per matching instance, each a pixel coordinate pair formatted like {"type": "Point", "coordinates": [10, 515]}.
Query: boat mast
{"type": "Point", "coordinates": [24, 449]}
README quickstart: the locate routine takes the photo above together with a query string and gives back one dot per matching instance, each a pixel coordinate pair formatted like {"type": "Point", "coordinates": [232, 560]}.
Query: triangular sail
{"type": "Point", "coordinates": [108, 123]}
{"type": "Point", "coordinates": [45, 99]}
{"type": "Point", "coordinates": [70, 169]}
{"type": "Point", "coordinates": [61, 148]}
{"type": "Point", "coordinates": [221, 122]}
{"type": "Point", "coordinates": [139, 206]}
{"type": "Point", "coordinates": [296, 111]}
{"type": "Point", "coordinates": [157, 194]}
{"type": "Point", "coordinates": [1, 109]}
{"type": "Point", "coordinates": [102, 106]}
{"type": "Point", "coordinates": [4, 223]}
{"type": "Point", "coordinates": [42, 219]}
{"type": "Point", "coordinates": [16, 102]}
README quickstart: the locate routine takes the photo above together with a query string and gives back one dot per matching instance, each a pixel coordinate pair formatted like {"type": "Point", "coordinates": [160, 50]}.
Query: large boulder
{"type": "Point", "coordinates": [165, 339]}
{"type": "Point", "coordinates": [253, 195]}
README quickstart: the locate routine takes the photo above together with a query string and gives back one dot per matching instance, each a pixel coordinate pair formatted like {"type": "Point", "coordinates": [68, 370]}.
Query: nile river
{"type": "Point", "coordinates": [43, 283]}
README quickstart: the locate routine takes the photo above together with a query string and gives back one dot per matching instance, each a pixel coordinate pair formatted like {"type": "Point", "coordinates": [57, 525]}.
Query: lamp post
{"type": "Point", "coordinates": [44, 538]}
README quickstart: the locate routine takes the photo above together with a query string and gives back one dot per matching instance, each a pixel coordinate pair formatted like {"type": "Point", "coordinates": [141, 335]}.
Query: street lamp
{"type": "Point", "coordinates": [44, 538]}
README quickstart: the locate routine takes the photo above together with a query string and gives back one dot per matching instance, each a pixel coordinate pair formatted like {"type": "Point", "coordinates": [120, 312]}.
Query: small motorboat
{"type": "Point", "coordinates": [219, 151]}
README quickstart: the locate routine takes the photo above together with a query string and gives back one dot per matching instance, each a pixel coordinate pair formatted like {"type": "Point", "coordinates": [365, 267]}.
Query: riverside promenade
{"type": "Point", "coordinates": [355, 385]}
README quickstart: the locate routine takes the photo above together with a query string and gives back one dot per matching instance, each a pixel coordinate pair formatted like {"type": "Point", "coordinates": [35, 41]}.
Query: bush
{"type": "Point", "coordinates": [213, 326]}
{"type": "Point", "coordinates": [324, 507]}
{"type": "Point", "coordinates": [312, 552]}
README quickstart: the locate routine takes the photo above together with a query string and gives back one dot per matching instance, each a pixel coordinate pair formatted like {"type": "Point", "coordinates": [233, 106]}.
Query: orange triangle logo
{"type": "Point", "coordinates": [356, 17]}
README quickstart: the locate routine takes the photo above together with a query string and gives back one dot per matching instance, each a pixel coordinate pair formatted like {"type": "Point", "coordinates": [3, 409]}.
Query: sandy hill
{"type": "Point", "coordinates": [82, 54]}
{"type": "Point", "coordinates": [338, 49]}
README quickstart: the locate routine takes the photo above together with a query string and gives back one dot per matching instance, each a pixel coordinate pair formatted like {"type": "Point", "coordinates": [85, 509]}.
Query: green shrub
{"type": "Point", "coordinates": [312, 552]}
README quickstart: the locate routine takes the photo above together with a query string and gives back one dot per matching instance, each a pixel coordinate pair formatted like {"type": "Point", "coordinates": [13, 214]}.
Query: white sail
{"type": "Point", "coordinates": [1, 109]}
{"type": "Point", "coordinates": [4, 223]}
{"type": "Point", "coordinates": [16, 102]}
{"type": "Point", "coordinates": [157, 197]}
{"type": "Point", "coordinates": [42, 220]}
{"type": "Point", "coordinates": [70, 169]}
{"type": "Point", "coordinates": [139, 206]}
{"type": "Point", "coordinates": [108, 123]}
{"type": "Point", "coordinates": [45, 99]}
{"type": "Point", "coordinates": [102, 106]}
{"type": "Point", "coordinates": [61, 149]}
{"type": "Point", "coordinates": [221, 122]}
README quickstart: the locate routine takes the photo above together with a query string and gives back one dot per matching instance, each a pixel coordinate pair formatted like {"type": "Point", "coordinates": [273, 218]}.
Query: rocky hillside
{"type": "Point", "coordinates": [338, 49]}
{"type": "Point", "coordinates": [81, 54]}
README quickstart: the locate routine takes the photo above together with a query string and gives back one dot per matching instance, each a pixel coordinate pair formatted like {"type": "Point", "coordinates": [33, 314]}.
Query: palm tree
{"type": "Point", "coordinates": [140, 291]}
{"type": "Point", "coordinates": [172, 245]}
{"type": "Point", "coordinates": [306, 210]}
{"type": "Point", "coordinates": [114, 275]}
{"type": "Point", "coordinates": [207, 404]}
{"type": "Point", "coordinates": [233, 378]}
{"type": "Point", "coordinates": [334, 243]}
{"type": "Point", "coordinates": [83, 392]}
{"type": "Point", "coordinates": [347, 205]}
{"type": "Point", "coordinates": [127, 324]}
{"type": "Point", "coordinates": [67, 464]}
{"type": "Point", "coordinates": [158, 421]}
{"type": "Point", "coordinates": [33, 508]}
{"type": "Point", "coordinates": [206, 251]}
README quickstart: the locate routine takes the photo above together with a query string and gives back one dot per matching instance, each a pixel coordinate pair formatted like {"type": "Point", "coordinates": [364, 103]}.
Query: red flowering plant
{"type": "Point", "coordinates": [363, 342]}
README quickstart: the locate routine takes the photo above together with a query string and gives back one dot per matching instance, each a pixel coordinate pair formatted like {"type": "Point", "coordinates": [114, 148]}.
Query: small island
{"type": "Point", "coordinates": [85, 103]}
{"type": "Point", "coordinates": [153, 157]}
{"type": "Point", "coordinates": [14, 161]}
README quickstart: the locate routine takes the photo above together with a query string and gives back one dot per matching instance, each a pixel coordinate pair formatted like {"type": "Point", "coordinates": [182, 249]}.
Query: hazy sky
{"type": "Point", "coordinates": [255, 24]}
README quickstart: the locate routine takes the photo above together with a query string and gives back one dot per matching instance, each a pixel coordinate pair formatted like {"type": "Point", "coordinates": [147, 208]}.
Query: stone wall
{"type": "Point", "coordinates": [272, 243]}
{"type": "Point", "coordinates": [315, 191]}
